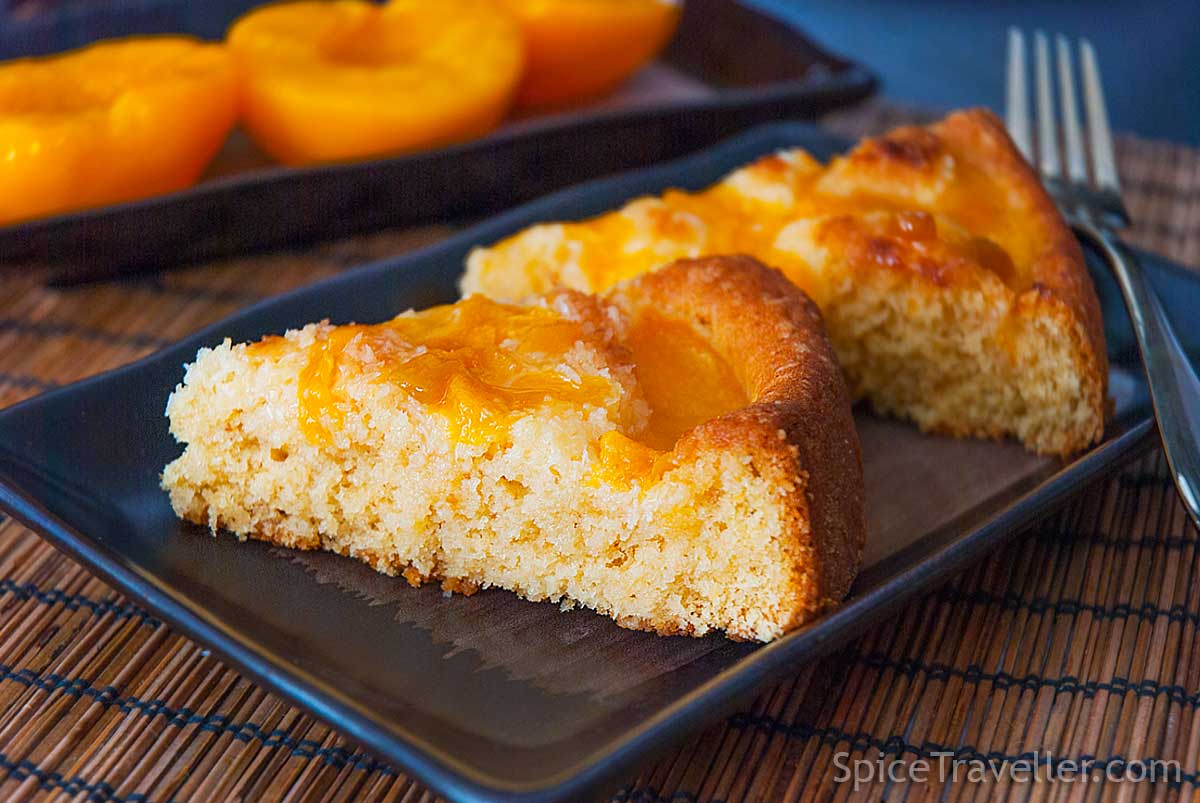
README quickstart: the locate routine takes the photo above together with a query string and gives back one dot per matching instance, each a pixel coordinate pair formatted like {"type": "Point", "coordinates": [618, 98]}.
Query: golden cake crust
{"type": "Point", "coordinates": [799, 421]}
{"type": "Point", "coordinates": [1058, 269]}
{"type": "Point", "coordinates": [1054, 284]}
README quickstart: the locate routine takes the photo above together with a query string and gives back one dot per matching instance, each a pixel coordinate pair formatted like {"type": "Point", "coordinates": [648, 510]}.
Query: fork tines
{"type": "Point", "coordinates": [1078, 192]}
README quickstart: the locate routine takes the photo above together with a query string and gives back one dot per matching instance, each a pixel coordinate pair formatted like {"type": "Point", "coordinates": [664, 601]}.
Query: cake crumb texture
{"type": "Point", "coordinates": [750, 522]}
{"type": "Point", "coordinates": [953, 291]}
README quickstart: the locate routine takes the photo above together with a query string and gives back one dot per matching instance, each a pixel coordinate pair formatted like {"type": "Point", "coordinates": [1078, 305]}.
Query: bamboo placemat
{"type": "Point", "coordinates": [1078, 641]}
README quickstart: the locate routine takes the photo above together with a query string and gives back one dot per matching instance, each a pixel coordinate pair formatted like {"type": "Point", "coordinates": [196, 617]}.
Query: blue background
{"type": "Point", "coordinates": [947, 54]}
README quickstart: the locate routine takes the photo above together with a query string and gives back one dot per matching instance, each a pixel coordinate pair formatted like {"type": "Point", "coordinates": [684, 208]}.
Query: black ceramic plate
{"type": "Point", "coordinates": [728, 67]}
{"type": "Point", "coordinates": [490, 698]}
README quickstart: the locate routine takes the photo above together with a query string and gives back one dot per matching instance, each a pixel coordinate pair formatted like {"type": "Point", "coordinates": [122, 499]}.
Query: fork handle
{"type": "Point", "coordinates": [1174, 387]}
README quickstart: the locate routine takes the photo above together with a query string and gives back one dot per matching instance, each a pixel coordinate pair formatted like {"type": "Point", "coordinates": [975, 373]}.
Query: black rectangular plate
{"type": "Point", "coordinates": [490, 698]}
{"type": "Point", "coordinates": [728, 67]}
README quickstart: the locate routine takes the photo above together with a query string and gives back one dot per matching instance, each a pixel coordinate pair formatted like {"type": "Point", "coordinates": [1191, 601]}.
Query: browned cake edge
{"type": "Point", "coordinates": [1062, 287]}
{"type": "Point", "coordinates": [799, 423]}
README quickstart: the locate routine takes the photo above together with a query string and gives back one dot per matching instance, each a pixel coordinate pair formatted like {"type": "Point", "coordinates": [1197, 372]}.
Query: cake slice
{"type": "Point", "coordinates": [678, 454]}
{"type": "Point", "coordinates": [953, 291]}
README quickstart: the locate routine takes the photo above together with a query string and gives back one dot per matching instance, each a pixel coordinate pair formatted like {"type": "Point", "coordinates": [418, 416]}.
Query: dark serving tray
{"type": "Point", "coordinates": [728, 67]}
{"type": "Point", "coordinates": [490, 698]}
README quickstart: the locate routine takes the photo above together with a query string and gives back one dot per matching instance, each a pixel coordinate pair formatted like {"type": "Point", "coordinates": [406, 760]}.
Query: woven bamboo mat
{"type": "Point", "coordinates": [1079, 639]}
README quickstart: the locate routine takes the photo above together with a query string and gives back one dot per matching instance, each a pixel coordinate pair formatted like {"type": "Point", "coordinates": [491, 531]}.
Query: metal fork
{"type": "Point", "coordinates": [1093, 206]}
